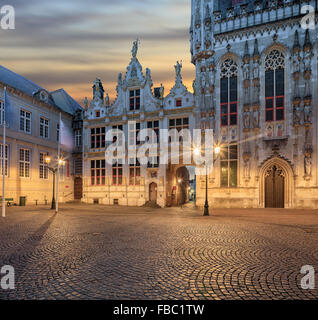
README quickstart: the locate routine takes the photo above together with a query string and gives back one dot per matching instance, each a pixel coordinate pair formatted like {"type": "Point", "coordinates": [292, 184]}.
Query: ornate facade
{"type": "Point", "coordinates": [136, 107]}
{"type": "Point", "coordinates": [256, 85]}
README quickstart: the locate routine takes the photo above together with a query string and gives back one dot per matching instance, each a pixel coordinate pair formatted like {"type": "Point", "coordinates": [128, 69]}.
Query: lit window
{"type": "Point", "coordinates": [5, 158]}
{"type": "Point", "coordinates": [117, 171]}
{"type": "Point", "coordinates": [44, 171]}
{"type": "Point", "coordinates": [24, 163]}
{"type": "Point", "coordinates": [274, 86]}
{"type": "Point", "coordinates": [134, 172]}
{"type": "Point", "coordinates": [229, 164]}
{"type": "Point", "coordinates": [98, 172]}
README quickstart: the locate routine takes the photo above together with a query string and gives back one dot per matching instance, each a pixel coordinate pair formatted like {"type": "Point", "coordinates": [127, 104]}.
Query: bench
{"type": "Point", "coordinates": [8, 201]}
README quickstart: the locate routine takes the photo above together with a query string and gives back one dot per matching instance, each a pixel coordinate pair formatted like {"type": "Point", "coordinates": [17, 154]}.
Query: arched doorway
{"type": "Point", "coordinates": [183, 184]}
{"type": "Point", "coordinates": [153, 192]}
{"type": "Point", "coordinates": [274, 187]}
{"type": "Point", "coordinates": [276, 184]}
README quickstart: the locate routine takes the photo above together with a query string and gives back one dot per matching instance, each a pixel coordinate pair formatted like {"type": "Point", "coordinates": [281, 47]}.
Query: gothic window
{"type": "Point", "coordinates": [274, 86]}
{"type": "Point", "coordinates": [228, 93]}
{"type": "Point", "coordinates": [229, 165]}
{"type": "Point", "coordinates": [134, 100]}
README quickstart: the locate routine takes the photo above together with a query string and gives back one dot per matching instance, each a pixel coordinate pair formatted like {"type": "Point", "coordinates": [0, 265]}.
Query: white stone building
{"type": "Point", "coordinates": [256, 84]}
{"type": "Point", "coordinates": [134, 184]}
{"type": "Point", "coordinates": [32, 134]}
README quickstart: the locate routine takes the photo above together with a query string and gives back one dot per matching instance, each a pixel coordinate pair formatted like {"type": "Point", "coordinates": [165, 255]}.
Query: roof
{"type": "Point", "coordinates": [59, 98]}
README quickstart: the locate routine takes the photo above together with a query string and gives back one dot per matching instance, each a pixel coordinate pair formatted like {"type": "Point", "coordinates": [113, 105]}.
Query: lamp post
{"type": "Point", "coordinates": [48, 160]}
{"type": "Point", "coordinates": [178, 189]}
{"type": "Point", "coordinates": [197, 151]}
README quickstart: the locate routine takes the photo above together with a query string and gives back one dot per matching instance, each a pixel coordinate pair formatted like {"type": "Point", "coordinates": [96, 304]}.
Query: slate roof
{"type": "Point", "coordinates": [59, 98]}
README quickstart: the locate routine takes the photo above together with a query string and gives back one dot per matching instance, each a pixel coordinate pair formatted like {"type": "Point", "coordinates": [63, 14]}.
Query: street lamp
{"type": "Point", "coordinates": [48, 160]}
{"type": "Point", "coordinates": [197, 151]}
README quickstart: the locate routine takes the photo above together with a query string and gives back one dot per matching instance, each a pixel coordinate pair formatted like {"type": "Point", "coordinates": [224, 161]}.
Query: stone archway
{"type": "Point", "coordinates": [276, 184]}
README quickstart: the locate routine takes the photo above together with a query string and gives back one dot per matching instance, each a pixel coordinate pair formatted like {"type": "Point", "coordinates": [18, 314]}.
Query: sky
{"type": "Point", "coordinates": [67, 44]}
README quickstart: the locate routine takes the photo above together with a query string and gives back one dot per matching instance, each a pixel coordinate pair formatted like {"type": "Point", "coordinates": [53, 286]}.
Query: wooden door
{"type": "Point", "coordinates": [274, 188]}
{"type": "Point", "coordinates": [153, 192]}
{"type": "Point", "coordinates": [78, 188]}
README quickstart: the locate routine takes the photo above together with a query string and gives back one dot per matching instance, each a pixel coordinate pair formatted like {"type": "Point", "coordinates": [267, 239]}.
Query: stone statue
{"type": "Point", "coordinates": [107, 102]}
{"type": "Point", "coordinates": [256, 119]}
{"type": "Point", "coordinates": [308, 113]}
{"type": "Point", "coordinates": [307, 60]}
{"type": "Point", "coordinates": [297, 115]}
{"type": "Point", "coordinates": [98, 90]}
{"type": "Point", "coordinates": [178, 68]}
{"type": "Point", "coordinates": [134, 49]}
{"type": "Point", "coordinates": [296, 62]}
{"type": "Point", "coordinates": [161, 91]}
{"type": "Point", "coordinates": [246, 119]}
{"type": "Point", "coordinates": [246, 71]}
{"type": "Point", "coordinates": [203, 80]}
{"type": "Point", "coordinates": [308, 164]}
{"type": "Point", "coordinates": [255, 70]}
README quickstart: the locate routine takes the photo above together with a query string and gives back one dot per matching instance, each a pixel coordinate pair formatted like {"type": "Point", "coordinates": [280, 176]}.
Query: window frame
{"type": "Point", "coordinates": [98, 138]}
{"type": "Point", "coordinates": [228, 161]}
{"type": "Point", "coordinates": [6, 159]}
{"type": "Point", "coordinates": [43, 167]}
{"type": "Point", "coordinates": [25, 120]}
{"type": "Point", "coordinates": [25, 164]}
{"type": "Point", "coordinates": [117, 179]}
{"type": "Point", "coordinates": [134, 173]}
{"type": "Point", "coordinates": [98, 171]}
{"type": "Point", "coordinates": [44, 127]}
{"type": "Point", "coordinates": [134, 104]}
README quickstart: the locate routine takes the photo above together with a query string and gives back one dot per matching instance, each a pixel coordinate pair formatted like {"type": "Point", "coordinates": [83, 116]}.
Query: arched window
{"type": "Point", "coordinates": [229, 93]}
{"type": "Point", "coordinates": [274, 86]}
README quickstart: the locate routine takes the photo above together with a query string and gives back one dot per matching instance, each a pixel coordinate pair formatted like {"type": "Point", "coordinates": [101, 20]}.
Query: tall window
{"type": "Point", "coordinates": [134, 130]}
{"type": "Point", "coordinates": [98, 138]}
{"type": "Point", "coordinates": [25, 121]}
{"type": "Point", "coordinates": [117, 137]}
{"type": "Point", "coordinates": [78, 138]}
{"type": "Point", "coordinates": [1, 112]}
{"type": "Point", "coordinates": [44, 171]}
{"type": "Point", "coordinates": [229, 93]}
{"type": "Point", "coordinates": [274, 86]}
{"type": "Point", "coordinates": [179, 124]}
{"type": "Point", "coordinates": [154, 125]}
{"type": "Point", "coordinates": [229, 160]}
{"type": "Point", "coordinates": [24, 163]}
{"type": "Point", "coordinates": [5, 160]}
{"type": "Point", "coordinates": [44, 128]}
{"type": "Point", "coordinates": [117, 174]}
{"type": "Point", "coordinates": [134, 100]}
{"type": "Point", "coordinates": [134, 172]}
{"type": "Point", "coordinates": [98, 172]}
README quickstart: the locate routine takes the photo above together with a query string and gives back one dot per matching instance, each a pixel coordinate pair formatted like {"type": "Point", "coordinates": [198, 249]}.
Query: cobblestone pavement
{"type": "Point", "coordinates": [98, 252]}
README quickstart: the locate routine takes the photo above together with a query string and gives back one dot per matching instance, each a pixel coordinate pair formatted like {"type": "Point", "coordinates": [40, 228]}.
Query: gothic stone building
{"type": "Point", "coordinates": [256, 85]}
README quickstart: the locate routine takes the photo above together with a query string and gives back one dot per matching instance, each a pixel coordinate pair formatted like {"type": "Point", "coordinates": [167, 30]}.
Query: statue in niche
{"type": "Point", "coordinates": [203, 80]}
{"type": "Point", "coordinates": [246, 71]}
{"type": "Point", "coordinates": [246, 119]}
{"type": "Point", "coordinates": [307, 60]}
{"type": "Point", "coordinates": [308, 163]}
{"type": "Point", "coordinates": [308, 113]}
{"type": "Point", "coordinates": [297, 115]}
{"type": "Point", "coordinates": [255, 69]}
{"type": "Point", "coordinates": [256, 118]}
{"type": "Point", "coordinates": [296, 62]}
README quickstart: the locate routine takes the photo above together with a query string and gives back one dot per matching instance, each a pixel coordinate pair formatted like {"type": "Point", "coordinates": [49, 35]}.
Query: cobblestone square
{"type": "Point", "coordinates": [99, 252]}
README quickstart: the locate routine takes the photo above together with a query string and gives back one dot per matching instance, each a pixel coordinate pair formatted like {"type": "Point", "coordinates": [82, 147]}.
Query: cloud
{"type": "Point", "coordinates": [67, 44]}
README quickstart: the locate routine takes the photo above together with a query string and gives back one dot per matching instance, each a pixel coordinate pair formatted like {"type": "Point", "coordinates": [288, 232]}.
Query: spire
{"type": "Point", "coordinates": [296, 40]}
{"type": "Point", "coordinates": [256, 52]}
{"type": "Point", "coordinates": [307, 40]}
{"type": "Point", "coordinates": [246, 51]}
